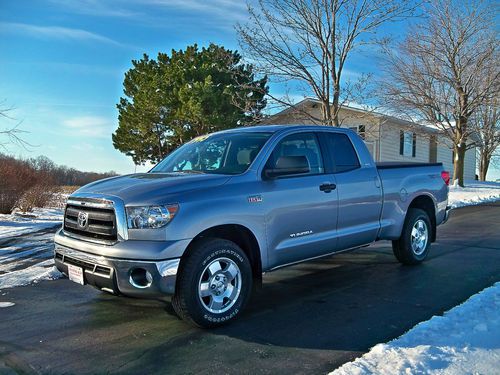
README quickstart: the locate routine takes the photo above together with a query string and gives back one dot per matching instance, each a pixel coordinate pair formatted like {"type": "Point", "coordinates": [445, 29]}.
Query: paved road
{"type": "Point", "coordinates": [309, 318]}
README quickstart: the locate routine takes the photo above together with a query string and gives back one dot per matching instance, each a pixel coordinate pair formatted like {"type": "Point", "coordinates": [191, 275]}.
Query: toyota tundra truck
{"type": "Point", "coordinates": [205, 223]}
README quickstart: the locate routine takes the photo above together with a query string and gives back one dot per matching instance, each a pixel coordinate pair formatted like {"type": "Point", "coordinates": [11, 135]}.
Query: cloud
{"type": "Point", "coordinates": [89, 126]}
{"type": "Point", "coordinates": [98, 8]}
{"type": "Point", "coordinates": [56, 32]}
{"type": "Point", "coordinates": [225, 10]}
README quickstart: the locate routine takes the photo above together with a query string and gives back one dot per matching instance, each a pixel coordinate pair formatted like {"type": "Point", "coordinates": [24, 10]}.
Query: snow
{"type": "Point", "coordinates": [465, 340]}
{"type": "Point", "coordinates": [474, 192]}
{"type": "Point", "coordinates": [41, 271]}
{"type": "Point", "coordinates": [17, 224]}
{"type": "Point", "coordinates": [26, 247]}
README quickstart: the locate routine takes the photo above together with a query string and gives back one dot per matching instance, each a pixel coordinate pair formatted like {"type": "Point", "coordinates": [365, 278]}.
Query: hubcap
{"type": "Point", "coordinates": [419, 237]}
{"type": "Point", "coordinates": [220, 285]}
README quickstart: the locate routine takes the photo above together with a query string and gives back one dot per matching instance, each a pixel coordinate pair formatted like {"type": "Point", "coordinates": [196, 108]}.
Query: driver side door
{"type": "Point", "coordinates": [301, 217]}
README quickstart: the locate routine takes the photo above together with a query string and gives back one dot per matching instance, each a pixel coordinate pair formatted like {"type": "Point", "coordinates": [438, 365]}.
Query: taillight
{"type": "Point", "coordinates": [445, 175]}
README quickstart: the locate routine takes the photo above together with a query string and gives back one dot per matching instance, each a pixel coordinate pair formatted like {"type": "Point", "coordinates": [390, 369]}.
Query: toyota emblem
{"type": "Point", "coordinates": [83, 220]}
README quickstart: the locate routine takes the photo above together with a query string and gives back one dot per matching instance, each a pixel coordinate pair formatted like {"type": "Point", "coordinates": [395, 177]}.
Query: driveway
{"type": "Point", "coordinates": [309, 318]}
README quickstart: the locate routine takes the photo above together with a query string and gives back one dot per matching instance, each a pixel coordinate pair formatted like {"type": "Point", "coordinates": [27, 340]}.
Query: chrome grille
{"type": "Point", "coordinates": [100, 222]}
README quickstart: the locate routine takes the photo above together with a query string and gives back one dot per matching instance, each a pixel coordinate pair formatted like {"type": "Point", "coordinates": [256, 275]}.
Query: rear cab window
{"type": "Point", "coordinates": [342, 152]}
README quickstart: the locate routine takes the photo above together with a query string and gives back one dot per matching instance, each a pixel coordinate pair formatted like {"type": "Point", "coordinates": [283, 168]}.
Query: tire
{"type": "Point", "coordinates": [413, 245]}
{"type": "Point", "coordinates": [214, 284]}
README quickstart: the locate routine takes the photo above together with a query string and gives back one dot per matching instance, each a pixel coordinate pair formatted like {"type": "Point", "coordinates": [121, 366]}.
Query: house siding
{"type": "Point", "coordinates": [382, 136]}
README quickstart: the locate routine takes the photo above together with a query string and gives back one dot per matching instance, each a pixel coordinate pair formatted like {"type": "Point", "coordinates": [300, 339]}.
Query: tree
{"type": "Point", "coordinates": [436, 74]}
{"type": "Point", "coordinates": [170, 100]}
{"type": "Point", "coordinates": [309, 42]}
{"type": "Point", "coordinates": [486, 123]}
{"type": "Point", "coordinates": [12, 134]}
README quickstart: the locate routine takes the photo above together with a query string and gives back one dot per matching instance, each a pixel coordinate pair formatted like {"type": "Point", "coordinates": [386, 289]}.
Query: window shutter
{"type": "Point", "coordinates": [401, 142]}
{"type": "Point", "coordinates": [414, 150]}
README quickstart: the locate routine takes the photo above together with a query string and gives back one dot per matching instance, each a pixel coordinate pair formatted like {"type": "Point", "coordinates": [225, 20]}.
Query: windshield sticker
{"type": "Point", "coordinates": [201, 138]}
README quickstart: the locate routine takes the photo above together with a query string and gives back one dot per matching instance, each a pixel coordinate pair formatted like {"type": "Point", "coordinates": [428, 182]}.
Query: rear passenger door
{"type": "Point", "coordinates": [359, 193]}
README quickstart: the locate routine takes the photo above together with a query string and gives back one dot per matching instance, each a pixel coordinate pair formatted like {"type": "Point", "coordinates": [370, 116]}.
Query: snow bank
{"type": "Point", "coordinates": [474, 192]}
{"type": "Point", "coordinates": [33, 274]}
{"type": "Point", "coordinates": [17, 224]}
{"type": "Point", "coordinates": [466, 340]}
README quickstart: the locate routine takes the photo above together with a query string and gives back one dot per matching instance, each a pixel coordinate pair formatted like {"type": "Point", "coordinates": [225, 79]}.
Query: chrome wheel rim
{"type": "Point", "coordinates": [220, 285]}
{"type": "Point", "coordinates": [419, 237]}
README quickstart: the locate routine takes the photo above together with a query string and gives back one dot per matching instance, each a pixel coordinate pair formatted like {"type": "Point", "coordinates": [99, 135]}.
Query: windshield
{"type": "Point", "coordinates": [226, 153]}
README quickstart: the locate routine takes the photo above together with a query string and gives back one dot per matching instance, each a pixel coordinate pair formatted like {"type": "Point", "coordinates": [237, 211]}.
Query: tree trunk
{"type": "Point", "coordinates": [336, 97]}
{"type": "Point", "coordinates": [484, 163]}
{"type": "Point", "coordinates": [458, 164]}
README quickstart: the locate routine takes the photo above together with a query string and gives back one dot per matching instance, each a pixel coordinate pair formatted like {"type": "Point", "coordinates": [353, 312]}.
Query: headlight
{"type": "Point", "coordinates": [150, 216]}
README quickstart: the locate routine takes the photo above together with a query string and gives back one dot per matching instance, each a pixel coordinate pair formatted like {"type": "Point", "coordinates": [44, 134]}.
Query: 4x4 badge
{"type": "Point", "coordinates": [255, 199]}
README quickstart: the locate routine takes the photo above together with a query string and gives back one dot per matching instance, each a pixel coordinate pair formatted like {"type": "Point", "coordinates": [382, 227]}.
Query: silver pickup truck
{"type": "Point", "coordinates": [205, 223]}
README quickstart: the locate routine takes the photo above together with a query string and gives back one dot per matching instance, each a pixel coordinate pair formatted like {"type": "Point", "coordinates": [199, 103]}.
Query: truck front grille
{"type": "Point", "coordinates": [98, 224]}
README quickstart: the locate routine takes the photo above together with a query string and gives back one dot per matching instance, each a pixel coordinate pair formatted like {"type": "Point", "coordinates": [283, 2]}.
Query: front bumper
{"type": "Point", "coordinates": [115, 275]}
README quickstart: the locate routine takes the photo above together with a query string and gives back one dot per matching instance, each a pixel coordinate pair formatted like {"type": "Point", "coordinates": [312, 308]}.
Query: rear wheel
{"type": "Point", "coordinates": [214, 284]}
{"type": "Point", "coordinates": [413, 245]}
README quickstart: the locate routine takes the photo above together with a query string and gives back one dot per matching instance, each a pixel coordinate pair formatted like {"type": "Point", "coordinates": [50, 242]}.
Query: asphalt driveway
{"type": "Point", "coordinates": [309, 318]}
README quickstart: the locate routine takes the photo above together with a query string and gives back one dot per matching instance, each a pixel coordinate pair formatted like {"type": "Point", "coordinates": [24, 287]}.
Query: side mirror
{"type": "Point", "coordinates": [288, 165]}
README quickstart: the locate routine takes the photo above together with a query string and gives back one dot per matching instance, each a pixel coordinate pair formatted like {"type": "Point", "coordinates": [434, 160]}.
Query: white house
{"type": "Point", "coordinates": [388, 138]}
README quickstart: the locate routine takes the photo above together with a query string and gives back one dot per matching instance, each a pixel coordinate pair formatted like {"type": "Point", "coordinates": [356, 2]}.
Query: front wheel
{"type": "Point", "coordinates": [214, 284]}
{"type": "Point", "coordinates": [413, 245]}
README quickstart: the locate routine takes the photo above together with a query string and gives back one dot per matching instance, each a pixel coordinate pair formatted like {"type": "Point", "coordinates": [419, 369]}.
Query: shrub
{"type": "Point", "coordinates": [37, 196]}
{"type": "Point", "coordinates": [16, 177]}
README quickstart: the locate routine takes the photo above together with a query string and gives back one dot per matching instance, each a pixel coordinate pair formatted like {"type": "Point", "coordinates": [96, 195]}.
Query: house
{"type": "Point", "coordinates": [388, 138]}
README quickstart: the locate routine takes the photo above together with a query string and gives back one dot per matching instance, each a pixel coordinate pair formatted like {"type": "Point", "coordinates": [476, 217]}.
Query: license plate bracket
{"type": "Point", "coordinates": [75, 274]}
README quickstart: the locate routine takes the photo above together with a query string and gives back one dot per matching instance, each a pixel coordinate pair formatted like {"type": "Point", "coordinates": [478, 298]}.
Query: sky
{"type": "Point", "coordinates": [62, 65]}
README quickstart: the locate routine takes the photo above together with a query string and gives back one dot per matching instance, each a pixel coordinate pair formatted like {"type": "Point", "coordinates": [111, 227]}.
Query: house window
{"type": "Point", "coordinates": [361, 130]}
{"type": "Point", "coordinates": [407, 143]}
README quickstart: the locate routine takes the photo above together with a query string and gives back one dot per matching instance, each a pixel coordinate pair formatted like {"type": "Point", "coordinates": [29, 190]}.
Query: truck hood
{"type": "Point", "coordinates": [152, 188]}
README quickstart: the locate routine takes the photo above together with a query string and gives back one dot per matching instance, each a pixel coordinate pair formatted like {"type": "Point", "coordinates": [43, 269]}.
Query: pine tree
{"type": "Point", "coordinates": [170, 100]}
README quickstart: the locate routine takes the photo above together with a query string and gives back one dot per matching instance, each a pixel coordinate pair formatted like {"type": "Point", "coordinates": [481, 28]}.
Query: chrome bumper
{"type": "Point", "coordinates": [116, 275]}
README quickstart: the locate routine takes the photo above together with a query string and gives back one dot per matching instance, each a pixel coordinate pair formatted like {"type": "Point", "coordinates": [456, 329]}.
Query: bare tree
{"type": "Point", "coordinates": [12, 134]}
{"type": "Point", "coordinates": [308, 42]}
{"type": "Point", "coordinates": [436, 74]}
{"type": "Point", "coordinates": [486, 123]}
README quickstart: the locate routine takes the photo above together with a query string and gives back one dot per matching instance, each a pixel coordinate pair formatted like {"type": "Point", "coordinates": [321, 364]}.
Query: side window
{"type": "Point", "coordinates": [300, 144]}
{"type": "Point", "coordinates": [343, 153]}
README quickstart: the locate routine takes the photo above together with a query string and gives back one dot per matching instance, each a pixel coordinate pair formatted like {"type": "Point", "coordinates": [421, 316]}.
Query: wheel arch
{"type": "Point", "coordinates": [426, 203]}
{"type": "Point", "coordinates": [241, 236]}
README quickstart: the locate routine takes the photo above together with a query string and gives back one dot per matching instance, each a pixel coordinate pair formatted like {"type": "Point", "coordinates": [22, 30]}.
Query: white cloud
{"type": "Point", "coordinates": [89, 126]}
{"type": "Point", "coordinates": [98, 8]}
{"type": "Point", "coordinates": [225, 10]}
{"type": "Point", "coordinates": [56, 32]}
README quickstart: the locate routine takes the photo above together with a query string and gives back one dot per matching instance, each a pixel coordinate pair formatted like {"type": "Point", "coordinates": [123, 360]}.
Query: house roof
{"type": "Point", "coordinates": [351, 108]}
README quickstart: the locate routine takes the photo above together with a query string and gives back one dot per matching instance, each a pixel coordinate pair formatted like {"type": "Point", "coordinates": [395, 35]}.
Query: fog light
{"type": "Point", "coordinates": [141, 278]}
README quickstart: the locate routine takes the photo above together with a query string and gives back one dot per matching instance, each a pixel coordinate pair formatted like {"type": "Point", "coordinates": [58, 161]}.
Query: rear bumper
{"type": "Point", "coordinates": [115, 275]}
{"type": "Point", "coordinates": [446, 214]}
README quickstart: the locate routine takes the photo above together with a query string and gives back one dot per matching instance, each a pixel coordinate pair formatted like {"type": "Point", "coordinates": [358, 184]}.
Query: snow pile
{"type": "Point", "coordinates": [474, 192]}
{"type": "Point", "coordinates": [466, 340]}
{"type": "Point", "coordinates": [41, 218]}
{"type": "Point", "coordinates": [41, 271]}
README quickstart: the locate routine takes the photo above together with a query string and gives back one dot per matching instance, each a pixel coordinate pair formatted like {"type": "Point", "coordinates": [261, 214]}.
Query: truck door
{"type": "Point", "coordinates": [301, 215]}
{"type": "Point", "coordinates": [359, 192]}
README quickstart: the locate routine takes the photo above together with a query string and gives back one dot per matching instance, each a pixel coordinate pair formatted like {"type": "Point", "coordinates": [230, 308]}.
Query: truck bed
{"type": "Point", "coordinates": [392, 164]}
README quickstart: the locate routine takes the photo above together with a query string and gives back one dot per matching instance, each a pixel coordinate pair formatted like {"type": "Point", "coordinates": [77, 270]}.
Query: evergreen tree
{"type": "Point", "coordinates": [170, 100]}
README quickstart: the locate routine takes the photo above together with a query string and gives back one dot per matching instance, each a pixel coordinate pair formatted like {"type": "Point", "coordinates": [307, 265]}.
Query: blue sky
{"type": "Point", "coordinates": [62, 65]}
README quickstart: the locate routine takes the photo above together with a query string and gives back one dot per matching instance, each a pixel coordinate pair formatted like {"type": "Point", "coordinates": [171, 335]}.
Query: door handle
{"type": "Point", "coordinates": [327, 187]}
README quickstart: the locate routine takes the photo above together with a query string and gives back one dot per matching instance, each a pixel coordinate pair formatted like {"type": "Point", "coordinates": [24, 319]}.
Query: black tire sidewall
{"type": "Point", "coordinates": [206, 252]}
